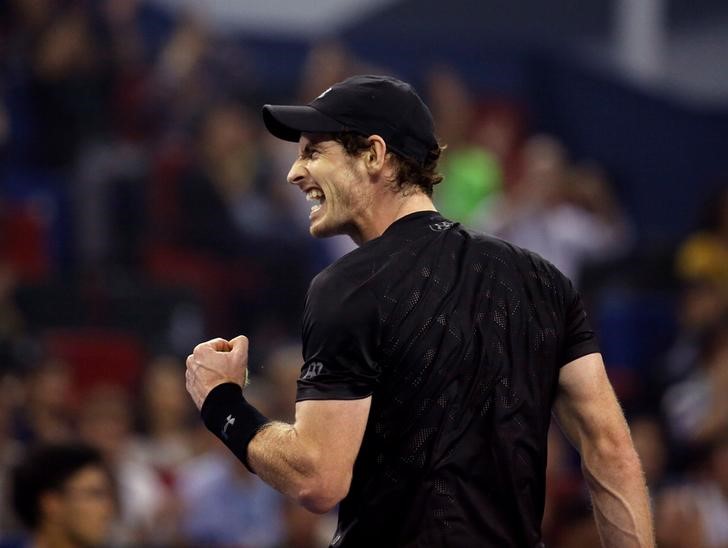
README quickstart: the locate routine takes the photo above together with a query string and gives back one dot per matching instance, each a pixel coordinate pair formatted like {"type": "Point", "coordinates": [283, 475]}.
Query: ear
{"type": "Point", "coordinates": [375, 157]}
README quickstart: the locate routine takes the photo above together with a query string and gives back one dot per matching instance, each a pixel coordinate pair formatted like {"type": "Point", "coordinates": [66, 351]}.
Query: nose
{"type": "Point", "coordinates": [297, 173]}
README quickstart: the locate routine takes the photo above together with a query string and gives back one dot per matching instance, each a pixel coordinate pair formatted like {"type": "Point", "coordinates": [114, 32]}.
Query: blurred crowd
{"type": "Point", "coordinates": [143, 208]}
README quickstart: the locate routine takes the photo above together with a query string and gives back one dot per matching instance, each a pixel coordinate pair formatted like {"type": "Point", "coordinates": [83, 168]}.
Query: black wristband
{"type": "Point", "coordinates": [231, 418]}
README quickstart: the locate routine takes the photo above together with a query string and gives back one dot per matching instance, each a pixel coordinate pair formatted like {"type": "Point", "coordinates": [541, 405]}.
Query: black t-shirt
{"type": "Point", "coordinates": [459, 338]}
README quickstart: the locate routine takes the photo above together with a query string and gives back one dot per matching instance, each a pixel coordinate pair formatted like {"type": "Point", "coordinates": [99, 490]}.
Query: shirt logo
{"type": "Point", "coordinates": [229, 421]}
{"type": "Point", "coordinates": [313, 370]}
{"type": "Point", "coordinates": [439, 227]}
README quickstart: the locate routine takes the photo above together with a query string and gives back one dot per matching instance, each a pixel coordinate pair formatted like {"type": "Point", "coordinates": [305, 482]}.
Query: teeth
{"type": "Point", "coordinates": [314, 195]}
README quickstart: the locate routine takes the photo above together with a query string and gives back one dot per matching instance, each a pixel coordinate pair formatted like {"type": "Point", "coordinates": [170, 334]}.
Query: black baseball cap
{"type": "Point", "coordinates": [366, 105]}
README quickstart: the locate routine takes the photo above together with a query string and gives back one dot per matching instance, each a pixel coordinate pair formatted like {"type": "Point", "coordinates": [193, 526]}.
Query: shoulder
{"type": "Point", "coordinates": [518, 267]}
{"type": "Point", "coordinates": [345, 289]}
{"type": "Point", "coordinates": [517, 258]}
{"type": "Point", "coordinates": [345, 274]}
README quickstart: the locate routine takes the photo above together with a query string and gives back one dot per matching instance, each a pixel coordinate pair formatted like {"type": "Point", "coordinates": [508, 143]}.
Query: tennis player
{"type": "Point", "coordinates": [433, 356]}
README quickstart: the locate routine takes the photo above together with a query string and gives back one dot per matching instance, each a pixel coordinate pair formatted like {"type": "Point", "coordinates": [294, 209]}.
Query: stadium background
{"type": "Point", "coordinates": [143, 209]}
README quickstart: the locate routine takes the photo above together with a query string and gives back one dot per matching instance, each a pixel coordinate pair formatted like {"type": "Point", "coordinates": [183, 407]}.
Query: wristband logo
{"type": "Point", "coordinates": [230, 420]}
{"type": "Point", "coordinates": [313, 370]}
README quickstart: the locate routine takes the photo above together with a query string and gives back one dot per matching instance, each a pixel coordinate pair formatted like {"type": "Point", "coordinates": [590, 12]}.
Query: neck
{"type": "Point", "coordinates": [390, 210]}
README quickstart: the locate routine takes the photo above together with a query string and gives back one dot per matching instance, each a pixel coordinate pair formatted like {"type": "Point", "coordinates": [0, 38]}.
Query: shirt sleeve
{"type": "Point", "coordinates": [340, 341]}
{"type": "Point", "coordinates": [579, 337]}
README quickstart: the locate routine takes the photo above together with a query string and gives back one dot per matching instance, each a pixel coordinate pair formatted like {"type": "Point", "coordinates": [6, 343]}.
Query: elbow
{"type": "Point", "coordinates": [618, 448]}
{"type": "Point", "coordinates": [615, 453]}
{"type": "Point", "coordinates": [323, 491]}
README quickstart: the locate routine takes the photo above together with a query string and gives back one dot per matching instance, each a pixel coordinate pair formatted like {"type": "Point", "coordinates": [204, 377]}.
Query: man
{"type": "Point", "coordinates": [63, 494]}
{"type": "Point", "coordinates": [433, 355]}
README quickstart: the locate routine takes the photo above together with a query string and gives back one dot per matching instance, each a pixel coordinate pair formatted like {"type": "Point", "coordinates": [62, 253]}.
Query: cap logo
{"type": "Point", "coordinates": [324, 93]}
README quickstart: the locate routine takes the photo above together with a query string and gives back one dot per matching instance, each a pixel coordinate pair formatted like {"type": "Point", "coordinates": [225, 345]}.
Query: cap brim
{"type": "Point", "coordinates": [288, 122]}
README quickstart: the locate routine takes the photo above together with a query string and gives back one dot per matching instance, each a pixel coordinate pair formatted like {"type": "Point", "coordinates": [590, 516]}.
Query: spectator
{"type": "Point", "coordinates": [566, 214]}
{"type": "Point", "coordinates": [228, 213]}
{"type": "Point", "coordinates": [225, 505]}
{"type": "Point", "coordinates": [64, 496]}
{"type": "Point", "coordinates": [67, 64]}
{"type": "Point", "coordinates": [47, 412]}
{"type": "Point", "coordinates": [701, 305]}
{"type": "Point", "coordinates": [695, 514]}
{"type": "Point", "coordinates": [221, 503]}
{"type": "Point", "coordinates": [166, 416]}
{"type": "Point", "coordinates": [224, 207]}
{"type": "Point", "coordinates": [105, 422]}
{"type": "Point", "coordinates": [704, 255]}
{"type": "Point", "coordinates": [472, 173]}
{"type": "Point", "coordinates": [696, 408]}
{"type": "Point", "coordinates": [701, 266]}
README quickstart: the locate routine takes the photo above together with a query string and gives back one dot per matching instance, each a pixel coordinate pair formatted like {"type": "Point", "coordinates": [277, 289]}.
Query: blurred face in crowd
{"type": "Point", "coordinates": [48, 401]}
{"type": "Point", "coordinates": [544, 166]}
{"type": "Point", "coordinates": [702, 303]}
{"type": "Point", "coordinates": [333, 182]}
{"type": "Point", "coordinates": [79, 514]}
{"type": "Point", "coordinates": [105, 420]}
{"type": "Point", "coordinates": [226, 133]}
{"type": "Point", "coordinates": [166, 402]}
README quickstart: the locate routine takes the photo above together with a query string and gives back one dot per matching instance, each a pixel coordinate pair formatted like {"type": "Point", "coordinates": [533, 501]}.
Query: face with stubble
{"type": "Point", "coordinates": [334, 183]}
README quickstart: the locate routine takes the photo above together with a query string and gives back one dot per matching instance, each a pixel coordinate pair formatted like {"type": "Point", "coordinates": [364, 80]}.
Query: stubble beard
{"type": "Point", "coordinates": [338, 204]}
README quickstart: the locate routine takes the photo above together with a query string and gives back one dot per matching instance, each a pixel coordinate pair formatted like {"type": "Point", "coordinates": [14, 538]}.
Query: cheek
{"type": "Point", "coordinates": [346, 192]}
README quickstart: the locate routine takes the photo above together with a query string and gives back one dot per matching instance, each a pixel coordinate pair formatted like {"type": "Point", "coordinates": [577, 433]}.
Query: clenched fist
{"type": "Point", "coordinates": [216, 362]}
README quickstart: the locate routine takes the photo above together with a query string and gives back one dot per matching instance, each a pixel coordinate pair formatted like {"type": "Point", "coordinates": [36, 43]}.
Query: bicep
{"type": "Point", "coordinates": [313, 459]}
{"type": "Point", "coordinates": [333, 430]}
{"type": "Point", "coordinates": [586, 407]}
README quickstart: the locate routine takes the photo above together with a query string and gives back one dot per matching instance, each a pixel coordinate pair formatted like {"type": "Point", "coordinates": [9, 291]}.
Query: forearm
{"type": "Point", "coordinates": [620, 498]}
{"type": "Point", "coordinates": [281, 458]}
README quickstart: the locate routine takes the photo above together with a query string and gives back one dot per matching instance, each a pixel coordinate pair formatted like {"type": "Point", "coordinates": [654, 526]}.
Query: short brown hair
{"type": "Point", "coordinates": [409, 172]}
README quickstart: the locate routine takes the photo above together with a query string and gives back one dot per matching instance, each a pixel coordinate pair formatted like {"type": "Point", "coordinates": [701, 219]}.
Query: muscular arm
{"type": "Point", "coordinates": [312, 460]}
{"type": "Point", "coordinates": [589, 414]}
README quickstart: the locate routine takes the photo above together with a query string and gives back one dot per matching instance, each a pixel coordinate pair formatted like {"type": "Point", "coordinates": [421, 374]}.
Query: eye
{"type": "Point", "coordinates": [309, 153]}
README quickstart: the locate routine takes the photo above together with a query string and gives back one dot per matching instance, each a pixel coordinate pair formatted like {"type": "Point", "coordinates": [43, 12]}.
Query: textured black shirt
{"type": "Point", "coordinates": [459, 338]}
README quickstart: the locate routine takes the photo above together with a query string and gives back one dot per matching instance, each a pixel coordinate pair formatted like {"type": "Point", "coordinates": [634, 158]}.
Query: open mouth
{"type": "Point", "coordinates": [316, 196]}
